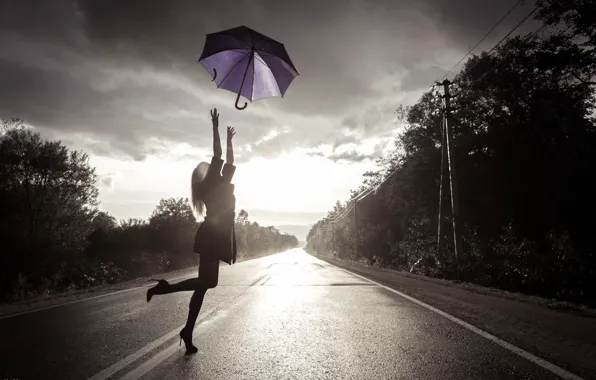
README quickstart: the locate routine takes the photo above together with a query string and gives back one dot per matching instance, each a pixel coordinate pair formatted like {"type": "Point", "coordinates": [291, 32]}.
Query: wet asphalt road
{"type": "Point", "coordinates": [287, 316]}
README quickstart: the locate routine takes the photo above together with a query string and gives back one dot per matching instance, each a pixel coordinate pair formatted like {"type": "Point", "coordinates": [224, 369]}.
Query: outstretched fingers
{"type": "Point", "coordinates": [231, 132]}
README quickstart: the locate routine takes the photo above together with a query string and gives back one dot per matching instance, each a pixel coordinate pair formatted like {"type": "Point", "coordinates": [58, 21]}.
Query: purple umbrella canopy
{"type": "Point", "coordinates": [248, 63]}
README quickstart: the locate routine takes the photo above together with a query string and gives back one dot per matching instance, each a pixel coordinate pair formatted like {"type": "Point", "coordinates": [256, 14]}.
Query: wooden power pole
{"type": "Point", "coordinates": [448, 140]}
{"type": "Point", "coordinates": [333, 233]}
{"type": "Point", "coordinates": [441, 184]}
{"type": "Point", "coordinates": [355, 229]}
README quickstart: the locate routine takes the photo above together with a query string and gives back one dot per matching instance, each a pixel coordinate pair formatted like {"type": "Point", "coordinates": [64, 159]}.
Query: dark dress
{"type": "Point", "coordinates": [215, 238]}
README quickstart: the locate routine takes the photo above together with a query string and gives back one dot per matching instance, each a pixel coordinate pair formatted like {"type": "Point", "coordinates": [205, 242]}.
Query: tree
{"type": "Point", "coordinates": [525, 145]}
{"type": "Point", "coordinates": [104, 226]}
{"type": "Point", "coordinates": [54, 238]}
{"type": "Point", "coordinates": [104, 221]}
{"type": "Point", "coordinates": [242, 217]}
{"type": "Point", "coordinates": [48, 196]}
{"type": "Point", "coordinates": [174, 227]}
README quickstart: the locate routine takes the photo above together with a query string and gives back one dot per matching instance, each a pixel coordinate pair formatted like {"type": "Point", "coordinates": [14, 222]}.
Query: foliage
{"type": "Point", "coordinates": [47, 197]}
{"type": "Point", "coordinates": [55, 239]}
{"type": "Point", "coordinates": [525, 146]}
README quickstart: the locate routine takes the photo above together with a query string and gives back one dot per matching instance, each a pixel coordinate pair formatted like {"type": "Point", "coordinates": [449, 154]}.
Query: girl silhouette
{"type": "Point", "coordinates": [213, 203]}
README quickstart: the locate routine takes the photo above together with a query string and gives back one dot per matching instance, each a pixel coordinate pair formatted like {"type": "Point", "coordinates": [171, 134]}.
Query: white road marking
{"type": "Point", "coordinates": [204, 323]}
{"type": "Point", "coordinates": [88, 298]}
{"type": "Point", "coordinates": [161, 356]}
{"type": "Point", "coordinates": [121, 364]}
{"type": "Point", "coordinates": [508, 346]}
{"type": "Point", "coordinates": [164, 354]}
{"type": "Point", "coordinates": [134, 356]}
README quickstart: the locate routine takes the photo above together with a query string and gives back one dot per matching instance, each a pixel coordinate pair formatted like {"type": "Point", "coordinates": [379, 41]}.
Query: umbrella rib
{"type": "Point", "coordinates": [260, 60]}
{"type": "Point", "coordinates": [241, 42]}
{"type": "Point", "coordinates": [232, 69]}
{"type": "Point", "coordinates": [263, 44]}
{"type": "Point", "coordinates": [252, 89]}
{"type": "Point", "coordinates": [254, 46]}
{"type": "Point", "coordinates": [272, 73]}
{"type": "Point", "coordinates": [262, 52]}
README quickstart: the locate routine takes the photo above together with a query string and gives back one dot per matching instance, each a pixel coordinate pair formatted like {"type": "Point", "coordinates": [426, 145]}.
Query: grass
{"type": "Point", "coordinates": [41, 301]}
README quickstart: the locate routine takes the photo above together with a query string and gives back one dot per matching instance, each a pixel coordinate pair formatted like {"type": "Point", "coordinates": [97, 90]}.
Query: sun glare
{"type": "Point", "coordinates": [292, 182]}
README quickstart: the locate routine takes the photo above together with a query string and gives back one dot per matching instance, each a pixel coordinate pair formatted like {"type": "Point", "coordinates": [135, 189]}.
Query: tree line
{"type": "Point", "coordinates": [525, 145]}
{"type": "Point", "coordinates": [54, 238]}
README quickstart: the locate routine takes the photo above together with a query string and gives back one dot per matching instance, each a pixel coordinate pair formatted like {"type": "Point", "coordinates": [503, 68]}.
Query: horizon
{"type": "Point", "coordinates": [411, 205]}
{"type": "Point", "coordinates": [133, 97]}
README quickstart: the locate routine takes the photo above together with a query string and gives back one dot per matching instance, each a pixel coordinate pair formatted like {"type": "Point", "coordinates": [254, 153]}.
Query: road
{"type": "Point", "coordinates": [286, 316]}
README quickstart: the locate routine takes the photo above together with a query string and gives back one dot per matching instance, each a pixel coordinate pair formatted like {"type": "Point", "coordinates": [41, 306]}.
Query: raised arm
{"type": "Point", "coordinates": [229, 148]}
{"type": "Point", "coordinates": [216, 141]}
{"type": "Point", "coordinates": [229, 169]}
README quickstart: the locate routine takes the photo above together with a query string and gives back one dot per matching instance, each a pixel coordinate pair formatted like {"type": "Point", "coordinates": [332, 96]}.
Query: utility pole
{"type": "Point", "coordinates": [333, 234]}
{"type": "Point", "coordinates": [441, 183]}
{"type": "Point", "coordinates": [452, 173]}
{"type": "Point", "coordinates": [355, 229]}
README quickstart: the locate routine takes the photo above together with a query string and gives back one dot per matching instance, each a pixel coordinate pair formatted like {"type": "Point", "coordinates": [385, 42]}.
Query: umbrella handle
{"type": "Point", "coordinates": [237, 99]}
{"type": "Point", "coordinates": [250, 58]}
{"type": "Point", "coordinates": [215, 75]}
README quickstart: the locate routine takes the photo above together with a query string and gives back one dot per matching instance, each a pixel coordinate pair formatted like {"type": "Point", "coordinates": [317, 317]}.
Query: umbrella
{"type": "Point", "coordinates": [248, 63]}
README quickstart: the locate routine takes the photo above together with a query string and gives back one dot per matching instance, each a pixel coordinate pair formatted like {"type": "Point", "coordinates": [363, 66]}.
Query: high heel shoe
{"type": "Point", "coordinates": [157, 289]}
{"type": "Point", "coordinates": [187, 338]}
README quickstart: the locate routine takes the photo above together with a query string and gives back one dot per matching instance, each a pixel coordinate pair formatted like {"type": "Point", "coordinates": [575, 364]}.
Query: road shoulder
{"type": "Point", "coordinates": [565, 338]}
{"type": "Point", "coordinates": [53, 300]}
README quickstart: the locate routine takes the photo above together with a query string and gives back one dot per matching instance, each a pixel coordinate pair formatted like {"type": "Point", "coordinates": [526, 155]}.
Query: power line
{"type": "Point", "coordinates": [483, 38]}
{"type": "Point", "coordinates": [509, 34]}
{"type": "Point", "coordinates": [500, 64]}
{"type": "Point", "coordinates": [342, 214]}
{"type": "Point", "coordinates": [364, 193]}
{"type": "Point", "coordinates": [514, 29]}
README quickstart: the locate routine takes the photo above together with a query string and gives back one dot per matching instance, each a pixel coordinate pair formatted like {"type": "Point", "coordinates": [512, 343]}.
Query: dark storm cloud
{"type": "Point", "coordinates": [464, 22]}
{"type": "Point", "coordinates": [125, 71]}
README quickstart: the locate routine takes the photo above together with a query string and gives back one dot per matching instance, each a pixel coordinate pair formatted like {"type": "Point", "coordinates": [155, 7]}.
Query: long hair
{"type": "Point", "coordinates": [196, 186]}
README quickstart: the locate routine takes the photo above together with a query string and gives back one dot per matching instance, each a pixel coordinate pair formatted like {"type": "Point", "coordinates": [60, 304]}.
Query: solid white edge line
{"type": "Point", "coordinates": [516, 350]}
{"type": "Point", "coordinates": [85, 299]}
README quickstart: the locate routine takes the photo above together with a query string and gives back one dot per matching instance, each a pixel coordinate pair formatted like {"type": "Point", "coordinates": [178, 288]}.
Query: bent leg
{"type": "Point", "coordinates": [208, 276]}
{"type": "Point", "coordinates": [186, 285]}
{"type": "Point", "coordinates": [209, 273]}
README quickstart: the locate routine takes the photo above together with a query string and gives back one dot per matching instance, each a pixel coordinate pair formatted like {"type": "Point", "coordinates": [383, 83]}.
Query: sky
{"type": "Point", "coordinates": [119, 79]}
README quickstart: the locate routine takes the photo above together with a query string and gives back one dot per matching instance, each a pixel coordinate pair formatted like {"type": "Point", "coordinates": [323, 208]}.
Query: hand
{"type": "Point", "coordinates": [215, 118]}
{"type": "Point", "coordinates": [231, 133]}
